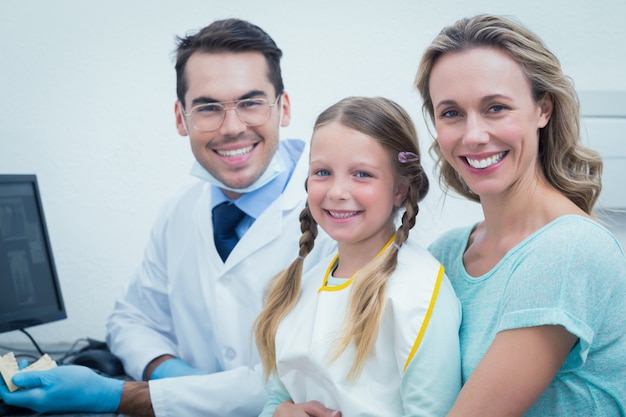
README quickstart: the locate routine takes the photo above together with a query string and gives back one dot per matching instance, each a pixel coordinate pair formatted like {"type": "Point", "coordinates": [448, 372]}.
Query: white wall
{"type": "Point", "coordinates": [87, 91]}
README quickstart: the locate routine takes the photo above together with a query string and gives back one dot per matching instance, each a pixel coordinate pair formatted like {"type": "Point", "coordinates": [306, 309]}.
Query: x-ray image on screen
{"type": "Point", "coordinates": [22, 278]}
{"type": "Point", "coordinates": [12, 220]}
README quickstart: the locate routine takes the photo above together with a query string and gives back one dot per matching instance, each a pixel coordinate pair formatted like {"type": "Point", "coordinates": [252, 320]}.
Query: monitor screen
{"type": "Point", "coordinates": [29, 287]}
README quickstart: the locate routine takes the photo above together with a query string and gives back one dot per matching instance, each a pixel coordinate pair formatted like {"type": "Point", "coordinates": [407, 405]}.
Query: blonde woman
{"type": "Point", "coordinates": [541, 282]}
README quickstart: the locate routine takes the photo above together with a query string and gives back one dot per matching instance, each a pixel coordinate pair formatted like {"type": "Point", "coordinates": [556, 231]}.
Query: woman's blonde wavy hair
{"type": "Point", "coordinates": [568, 166]}
{"type": "Point", "coordinates": [390, 125]}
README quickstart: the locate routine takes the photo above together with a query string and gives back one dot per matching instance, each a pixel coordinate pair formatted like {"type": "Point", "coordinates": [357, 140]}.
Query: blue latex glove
{"type": "Point", "coordinates": [63, 389]}
{"type": "Point", "coordinates": [174, 367]}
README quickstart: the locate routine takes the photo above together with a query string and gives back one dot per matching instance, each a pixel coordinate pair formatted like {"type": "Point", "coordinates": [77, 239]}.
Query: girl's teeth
{"type": "Point", "coordinates": [342, 215]}
{"type": "Point", "coordinates": [487, 162]}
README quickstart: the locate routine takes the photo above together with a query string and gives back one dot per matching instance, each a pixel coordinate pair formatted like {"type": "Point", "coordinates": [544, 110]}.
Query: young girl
{"type": "Point", "coordinates": [542, 284]}
{"type": "Point", "coordinates": [373, 330]}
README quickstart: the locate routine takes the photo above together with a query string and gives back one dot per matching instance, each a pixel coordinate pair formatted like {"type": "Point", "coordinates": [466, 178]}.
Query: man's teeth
{"type": "Point", "coordinates": [487, 162]}
{"type": "Point", "coordinates": [235, 152]}
{"type": "Point", "coordinates": [342, 215]}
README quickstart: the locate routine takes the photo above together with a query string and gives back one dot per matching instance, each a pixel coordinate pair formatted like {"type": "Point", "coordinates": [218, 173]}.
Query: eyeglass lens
{"type": "Point", "coordinates": [251, 112]}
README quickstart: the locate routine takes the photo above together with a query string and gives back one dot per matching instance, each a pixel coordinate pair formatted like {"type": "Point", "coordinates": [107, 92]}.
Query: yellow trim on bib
{"type": "Point", "coordinates": [431, 307]}
{"type": "Point", "coordinates": [333, 263]}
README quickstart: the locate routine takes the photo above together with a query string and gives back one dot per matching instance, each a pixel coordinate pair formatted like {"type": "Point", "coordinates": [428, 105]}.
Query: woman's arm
{"type": "Point", "coordinates": [516, 369]}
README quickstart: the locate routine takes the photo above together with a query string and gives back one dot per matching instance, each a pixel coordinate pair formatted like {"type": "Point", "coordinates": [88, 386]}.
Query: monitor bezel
{"type": "Point", "coordinates": [37, 318]}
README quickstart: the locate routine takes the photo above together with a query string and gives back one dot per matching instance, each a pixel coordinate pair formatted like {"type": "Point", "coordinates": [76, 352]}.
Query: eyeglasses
{"type": "Point", "coordinates": [210, 116]}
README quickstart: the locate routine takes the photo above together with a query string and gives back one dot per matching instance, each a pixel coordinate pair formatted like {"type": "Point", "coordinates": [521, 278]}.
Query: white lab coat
{"type": "Point", "coordinates": [185, 301]}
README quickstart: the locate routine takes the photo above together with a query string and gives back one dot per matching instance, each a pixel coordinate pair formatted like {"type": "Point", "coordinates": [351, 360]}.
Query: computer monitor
{"type": "Point", "coordinates": [29, 287]}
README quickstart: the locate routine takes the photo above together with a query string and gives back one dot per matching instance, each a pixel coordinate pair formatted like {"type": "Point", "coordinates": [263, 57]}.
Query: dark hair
{"type": "Point", "coordinates": [228, 35]}
{"type": "Point", "coordinates": [568, 166]}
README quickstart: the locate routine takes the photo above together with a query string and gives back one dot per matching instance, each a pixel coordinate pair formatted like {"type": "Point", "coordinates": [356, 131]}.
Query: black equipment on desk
{"type": "Point", "coordinates": [29, 286]}
{"type": "Point", "coordinates": [9, 410]}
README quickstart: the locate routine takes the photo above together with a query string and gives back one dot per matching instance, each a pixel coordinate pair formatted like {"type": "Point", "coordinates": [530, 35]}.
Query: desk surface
{"type": "Point", "coordinates": [8, 411]}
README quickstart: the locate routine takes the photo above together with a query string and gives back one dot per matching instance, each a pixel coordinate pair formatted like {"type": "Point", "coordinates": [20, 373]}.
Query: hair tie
{"type": "Point", "coordinates": [395, 245]}
{"type": "Point", "coordinates": [299, 258]}
{"type": "Point", "coordinates": [408, 157]}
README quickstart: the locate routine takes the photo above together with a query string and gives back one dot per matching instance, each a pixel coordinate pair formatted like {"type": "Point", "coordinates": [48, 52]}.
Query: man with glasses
{"type": "Point", "coordinates": [189, 309]}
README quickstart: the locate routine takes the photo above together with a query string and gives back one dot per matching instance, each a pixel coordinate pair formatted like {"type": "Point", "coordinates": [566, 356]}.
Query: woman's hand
{"type": "Point", "coordinates": [308, 409]}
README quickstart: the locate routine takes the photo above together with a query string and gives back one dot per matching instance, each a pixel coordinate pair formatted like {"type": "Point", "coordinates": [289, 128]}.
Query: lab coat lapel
{"type": "Point", "coordinates": [263, 232]}
{"type": "Point", "coordinates": [209, 262]}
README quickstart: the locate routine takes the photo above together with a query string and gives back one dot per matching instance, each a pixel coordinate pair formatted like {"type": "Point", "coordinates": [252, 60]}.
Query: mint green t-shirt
{"type": "Point", "coordinates": [571, 272]}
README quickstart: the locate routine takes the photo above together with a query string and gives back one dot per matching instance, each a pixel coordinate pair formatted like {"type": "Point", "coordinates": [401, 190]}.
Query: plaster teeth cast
{"type": "Point", "coordinates": [487, 162]}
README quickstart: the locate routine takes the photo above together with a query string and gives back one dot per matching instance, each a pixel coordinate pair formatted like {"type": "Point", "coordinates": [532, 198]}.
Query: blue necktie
{"type": "Point", "coordinates": [226, 217]}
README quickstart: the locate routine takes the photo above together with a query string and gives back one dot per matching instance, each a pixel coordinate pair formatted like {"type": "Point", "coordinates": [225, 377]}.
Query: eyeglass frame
{"type": "Point", "coordinates": [234, 103]}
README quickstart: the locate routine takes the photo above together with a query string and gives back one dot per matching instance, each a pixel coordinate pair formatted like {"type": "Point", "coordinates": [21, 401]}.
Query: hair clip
{"type": "Point", "coordinates": [408, 157]}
